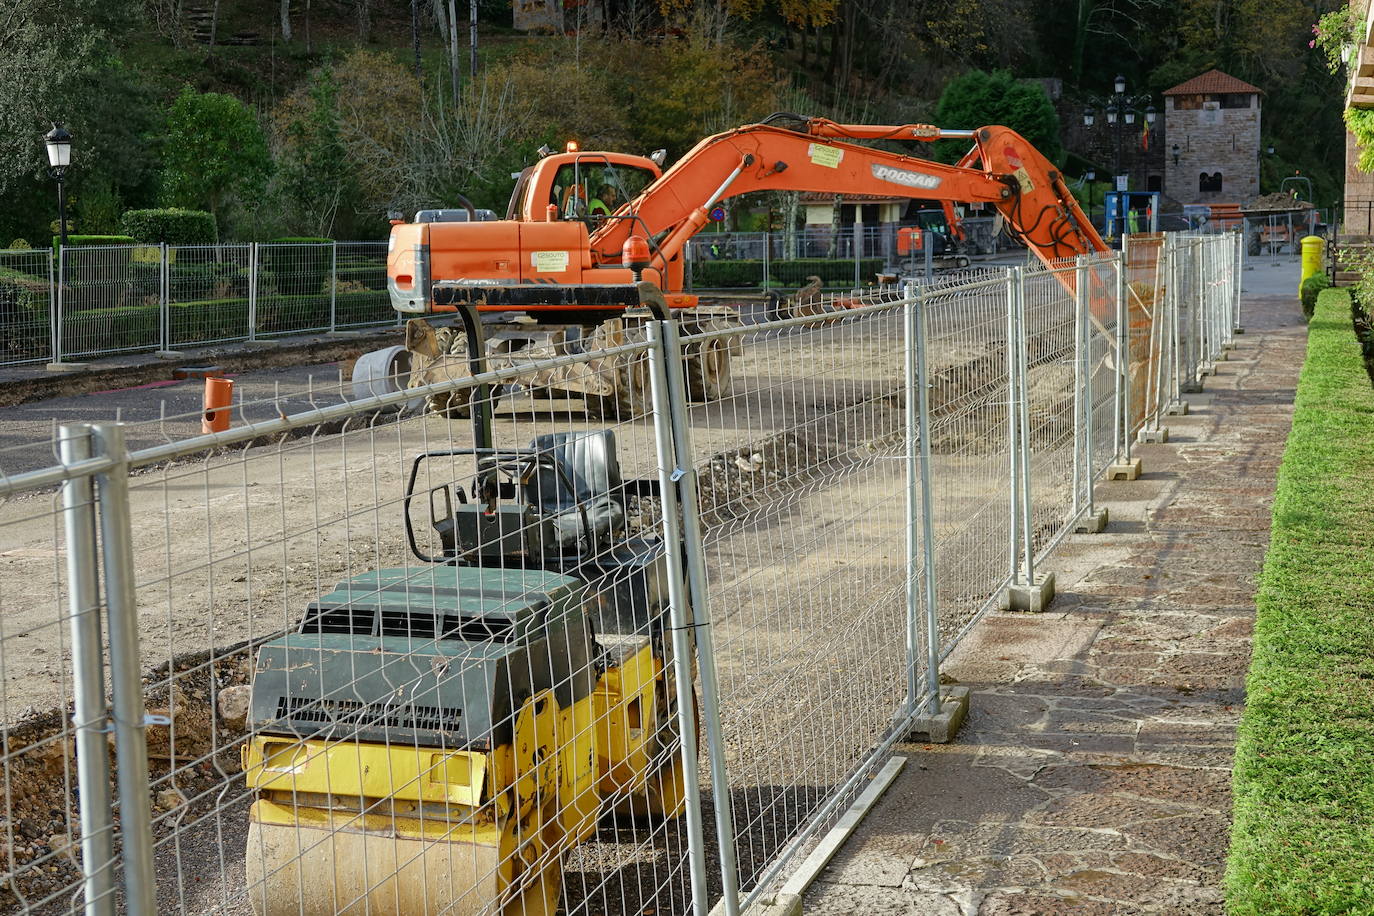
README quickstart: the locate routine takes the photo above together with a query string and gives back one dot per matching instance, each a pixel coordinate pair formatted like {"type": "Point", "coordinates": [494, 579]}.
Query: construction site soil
{"type": "Point", "coordinates": [230, 546]}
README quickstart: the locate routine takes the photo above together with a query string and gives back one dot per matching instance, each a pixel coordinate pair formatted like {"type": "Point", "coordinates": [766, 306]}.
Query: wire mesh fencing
{"type": "Point", "coordinates": [26, 284]}
{"type": "Point", "coordinates": [92, 301]}
{"type": "Point", "coordinates": [621, 628]}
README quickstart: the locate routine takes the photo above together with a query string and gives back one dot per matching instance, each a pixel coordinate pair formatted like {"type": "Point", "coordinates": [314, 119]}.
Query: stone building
{"type": "Point", "coordinates": [1212, 131]}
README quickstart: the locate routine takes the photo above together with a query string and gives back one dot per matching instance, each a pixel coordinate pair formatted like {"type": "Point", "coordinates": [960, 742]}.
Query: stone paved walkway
{"type": "Point", "coordinates": [1093, 773]}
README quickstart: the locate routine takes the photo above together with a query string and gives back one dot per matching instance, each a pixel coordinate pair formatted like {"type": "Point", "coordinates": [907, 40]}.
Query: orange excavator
{"type": "Point", "coordinates": [593, 243]}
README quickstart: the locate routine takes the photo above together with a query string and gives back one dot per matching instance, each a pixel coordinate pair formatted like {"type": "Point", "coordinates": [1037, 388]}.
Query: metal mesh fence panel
{"type": "Point", "coordinates": [462, 656]}
{"type": "Point", "coordinates": [51, 659]}
{"type": "Point", "coordinates": [1102, 360]}
{"type": "Point", "coordinates": [1049, 327]}
{"type": "Point", "coordinates": [802, 460]}
{"type": "Point", "coordinates": [293, 287]}
{"type": "Point", "coordinates": [1145, 288]}
{"type": "Point", "coordinates": [109, 299]}
{"type": "Point", "coordinates": [208, 294]}
{"type": "Point", "coordinates": [26, 285]}
{"type": "Point", "coordinates": [360, 296]}
{"type": "Point", "coordinates": [969, 364]}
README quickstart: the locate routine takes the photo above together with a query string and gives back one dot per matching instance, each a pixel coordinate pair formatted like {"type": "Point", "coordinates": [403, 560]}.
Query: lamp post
{"type": "Point", "coordinates": [59, 143]}
{"type": "Point", "coordinates": [1121, 111]}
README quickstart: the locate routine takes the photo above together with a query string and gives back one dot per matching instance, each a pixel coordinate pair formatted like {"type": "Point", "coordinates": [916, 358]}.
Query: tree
{"type": "Point", "coordinates": [978, 99]}
{"type": "Point", "coordinates": [312, 162]}
{"type": "Point", "coordinates": [214, 150]}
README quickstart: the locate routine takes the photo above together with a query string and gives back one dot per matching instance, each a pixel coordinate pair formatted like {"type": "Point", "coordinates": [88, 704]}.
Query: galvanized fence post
{"type": "Point", "coordinates": [701, 615]}
{"type": "Point", "coordinates": [1076, 470]}
{"type": "Point", "coordinates": [130, 721]}
{"type": "Point", "coordinates": [164, 309]}
{"type": "Point", "coordinates": [59, 302]}
{"type": "Point", "coordinates": [1237, 326]}
{"type": "Point", "coordinates": [930, 596]}
{"type": "Point", "coordinates": [89, 713]}
{"type": "Point", "coordinates": [333, 285]}
{"type": "Point", "coordinates": [1013, 432]}
{"type": "Point", "coordinates": [252, 291]}
{"type": "Point", "coordinates": [1020, 344]}
{"type": "Point", "coordinates": [766, 245]}
{"type": "Point", "coordinates": [912, 420]}
{"type": "Point", "coordinates": [858, 252]}
{"type": "Point", "coordinates": [1125, 414]}
{"type": "Point", "coordinates": [669, 473]}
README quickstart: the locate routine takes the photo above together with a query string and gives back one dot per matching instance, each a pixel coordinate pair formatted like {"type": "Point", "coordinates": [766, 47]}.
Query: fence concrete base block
{"type": "Point", "coordinates": [1238, 330]}
{"type": "Point", "coordinates": [1033, 597]}
{"type": "Point", "coordinates": [169, 354]}
{"type": "Point", "coordinates": [1124, 470]}
{"type": "Point", "coordinates": [944, 725]}
{"type": "Point", "coordinates": [62, 367]}
{"type": "Point", "coordinates": [1178, 408]}
{"type": "Point", "coordinates": [1092, 522]}
{"type": "Point", "coordinates": [1156, 435]}
{"type": "Point", "coordinates": [1204, 371]}
{"type": "Point", "coordinates": [1190, 388]}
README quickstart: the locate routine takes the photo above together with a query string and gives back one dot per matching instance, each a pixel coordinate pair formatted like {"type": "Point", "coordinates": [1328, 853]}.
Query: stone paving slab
{"type": "Point", "coordinates": [1093, 773]}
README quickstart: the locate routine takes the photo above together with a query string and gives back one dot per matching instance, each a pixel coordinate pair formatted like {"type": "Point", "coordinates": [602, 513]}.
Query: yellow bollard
{"type": "Point", "coordinates": [1313, 249]}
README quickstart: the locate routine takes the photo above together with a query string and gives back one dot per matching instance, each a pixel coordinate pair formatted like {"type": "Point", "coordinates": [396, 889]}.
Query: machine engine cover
{"type": "Point", "coordinates": [436, 657]}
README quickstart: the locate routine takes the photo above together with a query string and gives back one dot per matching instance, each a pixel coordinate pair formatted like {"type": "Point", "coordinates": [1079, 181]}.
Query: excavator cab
{"type": "Point", "coordinates": [560, 505]}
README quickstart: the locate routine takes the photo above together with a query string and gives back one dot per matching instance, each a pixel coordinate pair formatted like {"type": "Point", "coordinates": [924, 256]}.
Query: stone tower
{"type": "Point", "coordinates": [1212, 126]}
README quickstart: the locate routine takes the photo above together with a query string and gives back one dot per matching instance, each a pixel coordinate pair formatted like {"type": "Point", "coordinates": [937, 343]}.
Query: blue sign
{"type": "Point", "coordinates": [717, 214]}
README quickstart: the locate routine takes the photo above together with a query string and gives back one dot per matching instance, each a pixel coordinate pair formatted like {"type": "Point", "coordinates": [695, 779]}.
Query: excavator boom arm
{"type": "Point", "coordinates": [1011, 175]}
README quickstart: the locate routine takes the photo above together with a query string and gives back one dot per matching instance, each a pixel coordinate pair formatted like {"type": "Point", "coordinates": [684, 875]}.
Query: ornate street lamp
{"type": "Point", "coordinates": [59, 143]}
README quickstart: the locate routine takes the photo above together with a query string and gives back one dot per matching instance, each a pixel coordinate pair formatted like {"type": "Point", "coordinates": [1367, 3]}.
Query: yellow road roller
{"type": "Point", "coordinates": [435, 738]}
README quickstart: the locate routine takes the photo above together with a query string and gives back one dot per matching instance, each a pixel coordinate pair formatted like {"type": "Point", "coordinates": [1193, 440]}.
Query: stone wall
{"type": "Point", "coordinates": [1225, 140]}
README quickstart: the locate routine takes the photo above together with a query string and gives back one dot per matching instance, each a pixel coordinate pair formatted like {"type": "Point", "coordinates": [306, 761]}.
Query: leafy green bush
{"type": "Point", "coordinates": [171, 225]}
{"type": "Point", "coordinates": [1310, 289]}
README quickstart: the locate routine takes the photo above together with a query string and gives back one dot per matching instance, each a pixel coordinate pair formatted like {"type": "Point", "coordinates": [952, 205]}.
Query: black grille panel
{"type": "Point", "coordinates": [365, 621]}
{"type": "Point", "coordinates": [356, 714]}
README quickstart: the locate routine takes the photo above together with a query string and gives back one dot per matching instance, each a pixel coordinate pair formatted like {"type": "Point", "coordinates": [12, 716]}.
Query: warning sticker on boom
{"type": "Point", "coordinates": [828, 156]}
{"type": "Point", "coordinates": [902, 176]}
{"type": "Point", "coordinates": [549, 261]}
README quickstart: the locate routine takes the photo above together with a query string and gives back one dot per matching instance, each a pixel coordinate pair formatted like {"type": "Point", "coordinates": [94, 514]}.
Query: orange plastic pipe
{"type": "Point", "coordinates": [219, 394]}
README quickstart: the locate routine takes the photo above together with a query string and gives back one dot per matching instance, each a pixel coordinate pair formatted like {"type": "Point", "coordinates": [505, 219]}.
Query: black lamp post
{"type": "Point", "coordinates": [1121, 113]}
{"type": "Point", "coordinates": [59, 142]}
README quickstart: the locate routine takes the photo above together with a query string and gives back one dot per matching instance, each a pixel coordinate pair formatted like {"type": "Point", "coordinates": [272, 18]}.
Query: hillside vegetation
{"type": "Point", "coordinates": [316, 117]}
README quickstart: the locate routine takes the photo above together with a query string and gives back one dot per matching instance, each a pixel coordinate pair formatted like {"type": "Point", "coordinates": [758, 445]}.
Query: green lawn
{"type": "Point", "coordinates": [1303, 835]}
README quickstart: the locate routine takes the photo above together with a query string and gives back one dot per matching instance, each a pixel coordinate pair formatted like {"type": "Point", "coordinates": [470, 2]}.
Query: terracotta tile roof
{"type": "Point", "coordinates": [1213, 82]}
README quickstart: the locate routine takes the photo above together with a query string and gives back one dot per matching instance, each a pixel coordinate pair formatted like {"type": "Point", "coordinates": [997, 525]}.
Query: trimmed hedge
{"type": "Point", "coordinates": [1309, 291]}
{"type": "Point", "coordinates": [75, 241]}
{"type": "Point", "coordinates": [171, 225]}
{"type": "Point", "coordinates": [748, 272]}
{"type": "Point", "coordinates": [1302, 836]}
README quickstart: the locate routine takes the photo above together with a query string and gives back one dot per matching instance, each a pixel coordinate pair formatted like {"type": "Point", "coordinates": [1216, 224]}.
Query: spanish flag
{"type": "Point", "coordinates": [1145, 138]}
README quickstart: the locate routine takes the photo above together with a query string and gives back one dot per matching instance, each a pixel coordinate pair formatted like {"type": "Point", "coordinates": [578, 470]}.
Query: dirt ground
{"type": "Point", "coordinates": [803, 495]}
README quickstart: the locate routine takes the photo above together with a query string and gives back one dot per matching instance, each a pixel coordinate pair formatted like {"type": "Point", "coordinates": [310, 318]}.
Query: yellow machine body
{"type": "Point", "coordinates": [352, 827]}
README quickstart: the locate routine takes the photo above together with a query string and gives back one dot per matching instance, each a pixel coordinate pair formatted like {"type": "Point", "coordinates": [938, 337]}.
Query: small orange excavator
{"type": "Point", "coordinates": [593, 243]}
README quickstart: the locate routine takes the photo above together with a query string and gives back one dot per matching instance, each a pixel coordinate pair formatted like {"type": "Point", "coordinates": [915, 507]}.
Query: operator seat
{"type": "Point", "coordinates": [587, 481]}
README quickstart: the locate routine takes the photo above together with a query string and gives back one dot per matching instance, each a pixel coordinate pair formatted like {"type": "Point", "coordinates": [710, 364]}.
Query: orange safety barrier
{"type": "Point", "coordinates": [219, 394]}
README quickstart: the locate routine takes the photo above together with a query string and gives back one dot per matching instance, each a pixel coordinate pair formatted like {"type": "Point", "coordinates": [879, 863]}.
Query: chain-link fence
{"type": "Point", "coordinates": [91, 301]}
{"type": "Point", "coordinates": [618, 631]}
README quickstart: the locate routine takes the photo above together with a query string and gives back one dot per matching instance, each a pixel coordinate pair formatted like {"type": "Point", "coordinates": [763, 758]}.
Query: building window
{"type": "Point", "coordinates": [1187, 102]}
{"type": "Point", "coordinates": [1209, 184]}
{"type": "Point", "coordinates": [1235, 100]}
